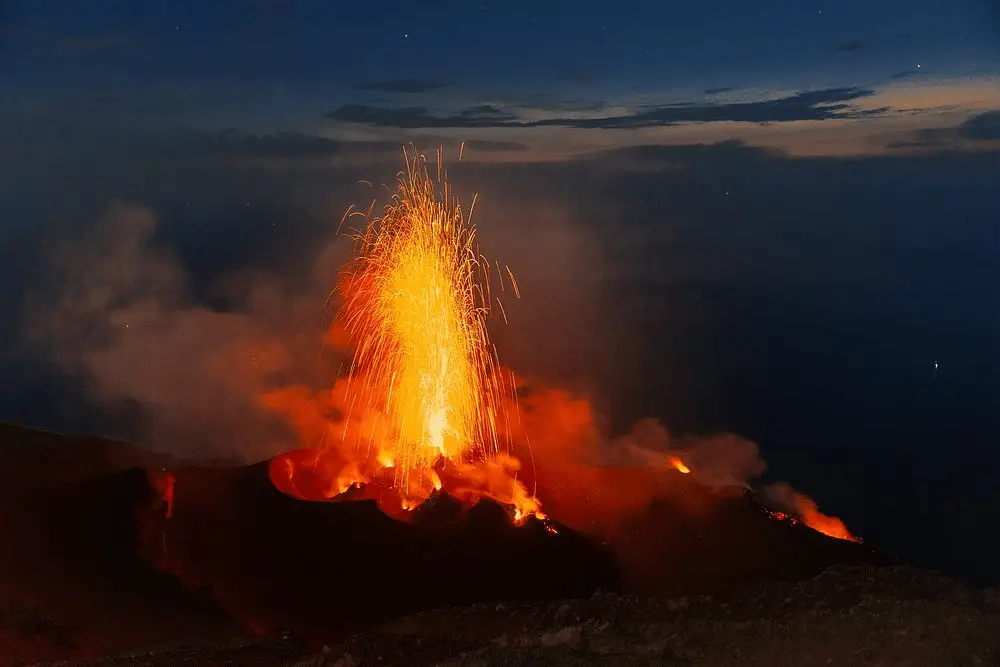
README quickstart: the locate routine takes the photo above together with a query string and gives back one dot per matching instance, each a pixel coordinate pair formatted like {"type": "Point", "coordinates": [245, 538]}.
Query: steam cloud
{"type": "Point", "coordinates": [118, 313]}
{"type": "Point", "coordinates": [248, 382]}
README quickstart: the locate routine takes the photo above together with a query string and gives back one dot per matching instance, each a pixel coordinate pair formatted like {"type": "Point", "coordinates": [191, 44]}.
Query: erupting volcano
{"type": "Point", "coordinates": [426, 430]}
{"type": "Point", "coordinates": [423, 406]}
{"type": "Point", "coordinates": [426, 398]}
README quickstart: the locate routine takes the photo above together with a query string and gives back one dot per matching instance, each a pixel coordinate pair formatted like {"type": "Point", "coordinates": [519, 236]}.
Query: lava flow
{"type": "Point", "coordinates": [427, 401]}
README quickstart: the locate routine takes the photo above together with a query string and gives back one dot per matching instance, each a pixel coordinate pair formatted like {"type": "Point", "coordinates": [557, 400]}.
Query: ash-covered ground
{"type": "Point", "coordinates": [857, 616]}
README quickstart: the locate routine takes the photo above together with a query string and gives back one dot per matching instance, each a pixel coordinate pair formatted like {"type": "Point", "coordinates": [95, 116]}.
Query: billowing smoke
{"type": "Point", "coordinates": [118, 313]}
{"type": "Point", "coordinates": [257, 377]}
{"type": "Point", "coordinates": [592, 479]}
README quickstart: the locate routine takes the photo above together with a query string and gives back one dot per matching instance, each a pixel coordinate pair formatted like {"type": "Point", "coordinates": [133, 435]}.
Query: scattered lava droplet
{"type": "Point", "coordinates": [679, 465]}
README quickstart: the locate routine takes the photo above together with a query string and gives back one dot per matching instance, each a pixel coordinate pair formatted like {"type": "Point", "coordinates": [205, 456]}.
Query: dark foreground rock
{"type": "Point", "coordinates": [845, 616]}
{"type": "Point", "coordinates": [235, 652]}
{"type": "Point", "coordinates": [72, 583]}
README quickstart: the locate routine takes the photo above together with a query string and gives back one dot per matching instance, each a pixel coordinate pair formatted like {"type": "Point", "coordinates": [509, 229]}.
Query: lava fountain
{"type": "Point", "coordinates": [426, 402]}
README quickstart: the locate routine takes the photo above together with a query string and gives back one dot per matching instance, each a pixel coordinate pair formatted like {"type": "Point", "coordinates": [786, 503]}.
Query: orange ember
{"type": "Point", "coordinates": [425, 395]}
{"type": "Point", "coordinates": [679, 465]}
{"type": "Point", "coordinates": [828, 525]}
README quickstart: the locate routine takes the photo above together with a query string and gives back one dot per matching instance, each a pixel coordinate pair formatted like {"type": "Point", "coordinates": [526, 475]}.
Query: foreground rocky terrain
{"type": "Point", "coordinates": [854, 616]}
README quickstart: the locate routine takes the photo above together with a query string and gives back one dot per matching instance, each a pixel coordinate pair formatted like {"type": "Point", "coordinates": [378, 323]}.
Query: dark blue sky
{"type": "Point", "coordinates": [282, 64]}
{"type": "Point", "coordinates": [770, 218]}
{"type": "Point", "coordinates": [512, 45]}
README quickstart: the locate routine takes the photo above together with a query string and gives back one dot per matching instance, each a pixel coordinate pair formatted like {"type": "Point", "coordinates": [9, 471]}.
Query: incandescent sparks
{"type": "Point", "coordinates": [425, 401]}
{"type": "Point", "coordinates": [415, 303]}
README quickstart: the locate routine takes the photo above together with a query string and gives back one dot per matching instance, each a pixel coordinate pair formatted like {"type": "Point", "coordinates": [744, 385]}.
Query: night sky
{"type": "Point", "coordinates": [774, 218]}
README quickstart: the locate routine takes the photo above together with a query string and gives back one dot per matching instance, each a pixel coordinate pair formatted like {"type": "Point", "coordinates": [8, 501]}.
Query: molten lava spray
{"type": "Point", "coordinates": [425, 396]}
{"type": "Point", "coordinates": [415, 303]}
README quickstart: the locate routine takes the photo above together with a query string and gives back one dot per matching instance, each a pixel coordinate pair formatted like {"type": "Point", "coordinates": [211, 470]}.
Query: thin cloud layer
{"type": "Point", "coordinates": [982, 128]}
{"type": "Point", "coordinates": [985, 127]}
{"type": "Point", "coordinates": [486, 146]}
{"type": "Point", "coordinates": [830, 103]}
{"type": "Point", "coordinates": [402, 86]}
{"type": "Point", "coordinates": [849, 46]}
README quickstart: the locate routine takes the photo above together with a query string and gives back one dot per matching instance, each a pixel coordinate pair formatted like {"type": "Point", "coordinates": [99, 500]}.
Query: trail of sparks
{"type": "Point", "coordinates": [415, 302]}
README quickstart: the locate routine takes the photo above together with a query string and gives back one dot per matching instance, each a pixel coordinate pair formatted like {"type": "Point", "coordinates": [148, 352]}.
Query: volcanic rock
{"type": "Point", "coordinates": [440, 508]}
{"type": "Point", "coordinates": [858, 616]}
{"type": "Point", "coordinates": [855, 616]}
{"type": "Point", "coordinates": [327, 568]}
{"type": "Point", "coordinates": [72, 583]}
{"type": "Point", "coordinates": [727, 544]}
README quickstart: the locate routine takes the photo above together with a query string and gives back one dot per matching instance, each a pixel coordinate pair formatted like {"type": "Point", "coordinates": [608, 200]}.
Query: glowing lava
{"type": "Point", "coordinates": [415, 301]}
{"type": "Point", "coordinates": [807, 512]}
{"type": "Point", "coordinates": [425, 395]}
{"type": "Point", "coordinates": [679, 465]}
{"type": "Point", "coordinates": [830, 526]}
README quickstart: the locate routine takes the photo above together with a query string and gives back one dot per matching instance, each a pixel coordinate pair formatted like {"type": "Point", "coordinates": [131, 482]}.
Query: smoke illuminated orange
{"type": "Point", "coordinates": [804, 509]}
{"type": "Point", "coordinates": [830, 526]}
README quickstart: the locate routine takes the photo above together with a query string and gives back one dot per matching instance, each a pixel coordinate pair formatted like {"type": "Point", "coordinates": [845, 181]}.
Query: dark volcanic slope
{"type": "Point", "coordinates": [328, 568]}
{"type": "Point", "coordinates": [71, 581]}
{"type": "Point", "coordinates": [29, 457]}
{"type": "Point", "coordinates": [694, 540]}
{"type": "Point", "coordinates": [691, 538]}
